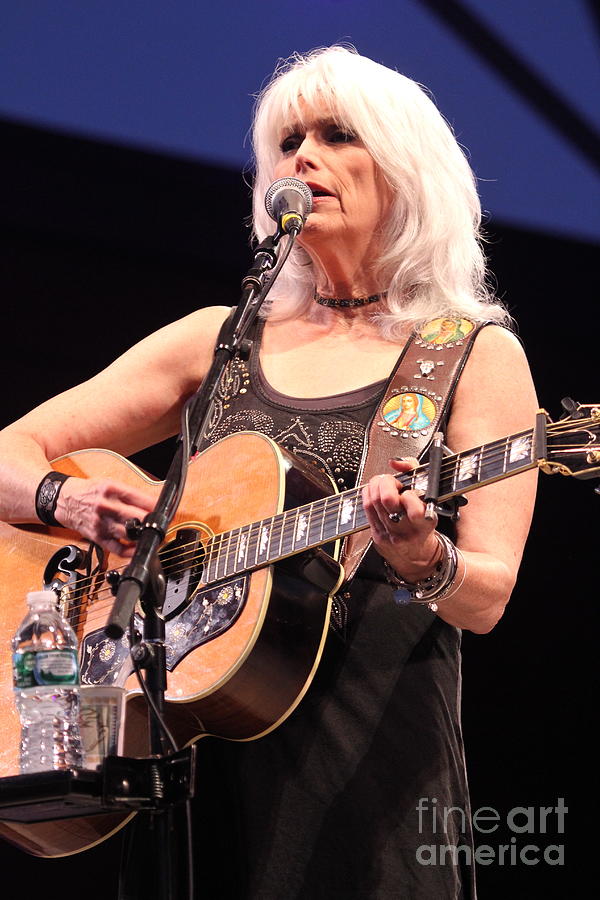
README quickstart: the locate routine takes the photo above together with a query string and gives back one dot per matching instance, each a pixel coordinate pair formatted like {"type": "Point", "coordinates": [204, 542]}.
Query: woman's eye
{"type": "Point", "coordinates": [291, 142]}
{"type": "Point", "coordinates": [340, 136]}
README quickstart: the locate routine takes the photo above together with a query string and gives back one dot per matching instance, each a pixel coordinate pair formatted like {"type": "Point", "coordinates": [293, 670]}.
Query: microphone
{"type": "Point", "coordinates": [289, 202]}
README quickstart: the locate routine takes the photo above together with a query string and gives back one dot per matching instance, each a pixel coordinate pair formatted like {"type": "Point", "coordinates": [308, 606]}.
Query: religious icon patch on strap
{"type": "Point", "coordinates": [409, 411]}
{"type": "Point", "coordinates": [444, 332]}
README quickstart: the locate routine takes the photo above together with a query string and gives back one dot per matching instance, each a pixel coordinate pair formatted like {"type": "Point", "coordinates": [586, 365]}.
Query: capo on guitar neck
{"type": "Point", "coordinates": [451, 507]}
{"type": "Point", "coordinates": [432, 493]}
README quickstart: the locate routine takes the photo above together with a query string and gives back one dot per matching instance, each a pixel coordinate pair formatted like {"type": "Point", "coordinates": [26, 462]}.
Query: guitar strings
{"type": "Point", "coordinates": [213, 547]}
{"type": "Point", "coordinates": [182, 556]}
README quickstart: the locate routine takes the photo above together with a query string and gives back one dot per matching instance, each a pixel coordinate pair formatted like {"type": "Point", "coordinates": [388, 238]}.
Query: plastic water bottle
{"type": "Point", "coordinates": [46, 687]}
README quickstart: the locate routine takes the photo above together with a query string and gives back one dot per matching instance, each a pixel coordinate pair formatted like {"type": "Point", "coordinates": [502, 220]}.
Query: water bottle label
{"type": "Point", "coordinates": [46, 667]}
{"type": "Point", "coordinates": [23, 665]}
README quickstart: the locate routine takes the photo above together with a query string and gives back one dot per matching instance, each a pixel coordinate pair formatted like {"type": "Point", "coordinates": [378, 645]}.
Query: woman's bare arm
{"type": "Point", "coordinates": [133, 403]}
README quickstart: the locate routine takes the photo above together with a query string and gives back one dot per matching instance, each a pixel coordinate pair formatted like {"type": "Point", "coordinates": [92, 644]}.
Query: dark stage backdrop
{"type": "Point", "coordinates": [102, 245]}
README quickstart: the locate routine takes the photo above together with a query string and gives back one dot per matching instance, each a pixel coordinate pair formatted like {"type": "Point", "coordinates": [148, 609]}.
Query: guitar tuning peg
{"type": "Point", "coordinates": [572, 409]}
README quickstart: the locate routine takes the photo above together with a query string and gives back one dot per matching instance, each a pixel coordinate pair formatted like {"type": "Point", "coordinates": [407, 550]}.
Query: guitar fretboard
{"type": "Point", "coordinates": [322, 521]}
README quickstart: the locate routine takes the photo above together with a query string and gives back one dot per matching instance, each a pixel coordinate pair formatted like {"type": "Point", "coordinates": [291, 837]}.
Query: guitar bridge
{"type": "Point", "coordinates": [69, 574]}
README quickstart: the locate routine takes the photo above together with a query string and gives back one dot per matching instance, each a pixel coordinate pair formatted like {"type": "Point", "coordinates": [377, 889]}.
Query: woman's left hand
{"type": "Point", "coordinates": [408, 543]}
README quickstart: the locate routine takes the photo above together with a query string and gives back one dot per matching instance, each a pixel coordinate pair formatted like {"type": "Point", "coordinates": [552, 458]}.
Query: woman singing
{"type": "Point", "coordinates": [339, 801]}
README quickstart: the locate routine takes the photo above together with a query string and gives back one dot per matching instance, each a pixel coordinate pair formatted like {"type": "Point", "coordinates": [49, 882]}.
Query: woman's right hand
{"type": "Point", "coordinates": [98, 508]}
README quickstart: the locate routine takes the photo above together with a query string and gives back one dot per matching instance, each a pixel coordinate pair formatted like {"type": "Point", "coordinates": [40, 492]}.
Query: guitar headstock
{"type": "Point", "coordinates": [573, 443]}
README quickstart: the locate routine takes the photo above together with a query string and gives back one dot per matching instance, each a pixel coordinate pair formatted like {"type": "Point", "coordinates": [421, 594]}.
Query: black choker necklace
{"type": "Point", "coordinates": [352, 302]}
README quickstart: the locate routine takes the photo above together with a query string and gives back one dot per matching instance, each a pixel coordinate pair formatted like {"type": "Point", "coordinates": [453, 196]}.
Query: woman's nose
{"type": "Point", "coordinates": [306, 155]}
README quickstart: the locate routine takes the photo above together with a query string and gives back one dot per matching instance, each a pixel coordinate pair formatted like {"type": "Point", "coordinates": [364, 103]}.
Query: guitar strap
{"type": "Point", "coordinates": [416, 399]}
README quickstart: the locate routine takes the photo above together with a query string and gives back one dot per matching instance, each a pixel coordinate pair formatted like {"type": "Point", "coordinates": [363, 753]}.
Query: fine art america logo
{"type": "Point", "coordinates": [520, 821]}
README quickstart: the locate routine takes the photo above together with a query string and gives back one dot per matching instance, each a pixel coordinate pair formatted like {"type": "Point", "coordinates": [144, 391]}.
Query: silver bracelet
{"type": "Point", "coordinates": [451, 589]}
{"type": "Point", "coordinates": [436, 586]}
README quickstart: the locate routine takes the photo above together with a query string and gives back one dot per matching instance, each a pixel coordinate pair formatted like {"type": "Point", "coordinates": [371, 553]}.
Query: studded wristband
{"type": "Point", "coordinates": [46, 497]}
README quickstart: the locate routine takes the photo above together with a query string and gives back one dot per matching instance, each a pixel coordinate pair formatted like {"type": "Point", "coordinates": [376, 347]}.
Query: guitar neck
{"type": "Point", "coordinates": [331, 518]}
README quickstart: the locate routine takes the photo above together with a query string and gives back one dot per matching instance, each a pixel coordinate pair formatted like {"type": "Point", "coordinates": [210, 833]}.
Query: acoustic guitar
{"type": "Point", "coordinates": [251, 568]}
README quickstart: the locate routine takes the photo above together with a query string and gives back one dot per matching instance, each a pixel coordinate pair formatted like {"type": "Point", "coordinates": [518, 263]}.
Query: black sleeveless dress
{"type": "Point", "coordinates": [362, 791]}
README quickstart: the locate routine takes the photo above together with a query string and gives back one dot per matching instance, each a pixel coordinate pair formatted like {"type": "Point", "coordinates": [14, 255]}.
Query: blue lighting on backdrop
{"type": "Point", "coordinates": [179, 78]}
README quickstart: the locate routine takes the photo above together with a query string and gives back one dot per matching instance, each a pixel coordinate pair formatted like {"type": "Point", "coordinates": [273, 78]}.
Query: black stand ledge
{"type": "Point", "coordinates": [121, 784]}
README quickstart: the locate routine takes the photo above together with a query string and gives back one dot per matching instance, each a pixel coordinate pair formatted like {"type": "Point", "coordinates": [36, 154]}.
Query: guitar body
{"type": "Point", "coordinates": [241, 652]}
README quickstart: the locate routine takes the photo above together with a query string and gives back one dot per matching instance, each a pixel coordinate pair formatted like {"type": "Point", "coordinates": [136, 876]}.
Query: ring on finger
{"type": "Point", "coordinates": [395, 516]}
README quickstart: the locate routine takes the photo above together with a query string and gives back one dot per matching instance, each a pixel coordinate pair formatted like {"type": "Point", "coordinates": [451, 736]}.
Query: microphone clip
{"type": "Point", "coordinates": [265, 259]}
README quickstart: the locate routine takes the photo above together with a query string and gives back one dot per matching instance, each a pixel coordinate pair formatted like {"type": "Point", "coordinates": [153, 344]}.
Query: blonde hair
{"type": "Point", "coordinates": [432, 261]}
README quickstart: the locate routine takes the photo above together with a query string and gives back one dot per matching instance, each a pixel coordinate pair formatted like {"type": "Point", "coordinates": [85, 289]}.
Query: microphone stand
{"type": "Point", "coordinates": [143, 579]}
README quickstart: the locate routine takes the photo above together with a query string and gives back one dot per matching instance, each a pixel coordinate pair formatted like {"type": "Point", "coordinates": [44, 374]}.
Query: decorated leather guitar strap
{"type": "Point", "coordinates": [416, 399]}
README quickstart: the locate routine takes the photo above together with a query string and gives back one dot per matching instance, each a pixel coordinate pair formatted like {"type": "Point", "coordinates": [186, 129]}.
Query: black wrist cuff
{"type": "Point", "coordinates": [46, 497]}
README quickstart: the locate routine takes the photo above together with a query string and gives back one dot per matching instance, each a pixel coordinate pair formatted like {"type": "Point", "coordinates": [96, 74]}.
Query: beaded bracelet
{"type": "Point", "coordinates": [46, 497]}
{"type": "Point", "coordinates": [434, 587]}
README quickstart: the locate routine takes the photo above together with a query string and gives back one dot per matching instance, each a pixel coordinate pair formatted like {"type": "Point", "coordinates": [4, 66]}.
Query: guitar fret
{"type": "Point", "coordinates": [505, 460]}
{"type": "Point", "coordinates": [256, 536]}
{"type": "Point", "coordinates": [228, 570]}
{"type": "Point", "coordinates": [308, 523]}
{"type": "Point", "coordinates": [287, 537]}
{"type": "Point", "coordinates": [333, 517]}
{"type": "Point", "coordinates": [300, 528]}
{"type": "Point", "coordinates": [521, 447]}
{"type": "Point", "coordinates": [315, 527]}
{"type": "Point", "coordinates": [253, 542]}
{"type": "Point", "coordinates": [236, 553]}
{"type": "Point", "coordinates": [213, 558]}
{"type": "Point", "coordinates": [347, 511]}
{"type": "Point", "coordinates": [418, 479]}
{"type": "Point", "coordinates": [291, 518]}
{"type": "Point", "coordinates": [360, 516]}
{"type": "Point", "coordinates": [466, 468]}
{"type": "Point", "coordinates": [491, 463]}
{"type": "Point", "coordinates": [278, 528]}
{"type": "Point", "coordinates": [357, 504]}
{"type": "Point", "coordinates": [264, 541]}
{"type": "Point", "coordinates": [207, 572]}
{"type": "Point", "coordinates": [325, 505]}
{"type": "Point", "coordinates": [220, 561]}
{"type": "Point", "coordinates": [455, 473]}
{"type": "Point", "coordinates": [242, 554]}
{"type": "Point", "coordinates": [271, 520]}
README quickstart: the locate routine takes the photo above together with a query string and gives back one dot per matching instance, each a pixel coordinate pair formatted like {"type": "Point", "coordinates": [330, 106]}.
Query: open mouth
{"type": "Point", "coordinates": [318, 191]}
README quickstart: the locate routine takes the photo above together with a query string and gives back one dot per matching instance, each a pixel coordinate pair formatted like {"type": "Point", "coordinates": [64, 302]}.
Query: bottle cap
{"type": "Point", "coordinates": [36, 597]}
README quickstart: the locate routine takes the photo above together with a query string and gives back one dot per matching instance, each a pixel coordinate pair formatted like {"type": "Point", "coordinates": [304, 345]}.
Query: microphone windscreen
{"type": "Point", "coordinates": [288, 195]}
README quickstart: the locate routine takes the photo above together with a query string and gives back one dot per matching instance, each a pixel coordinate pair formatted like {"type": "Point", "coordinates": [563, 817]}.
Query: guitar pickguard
{"type": "Point", "coordinates": [211, 612]}
{"type": "Point", "coordinates": [105, 661]}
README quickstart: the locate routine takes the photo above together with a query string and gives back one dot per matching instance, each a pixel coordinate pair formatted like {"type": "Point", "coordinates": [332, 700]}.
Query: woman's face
{"type": "Point", "coordinates": [351, 198]}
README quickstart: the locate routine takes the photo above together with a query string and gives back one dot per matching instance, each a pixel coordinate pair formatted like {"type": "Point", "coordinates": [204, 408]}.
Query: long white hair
{"type": "Point", "coordinates": [432, 262]}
